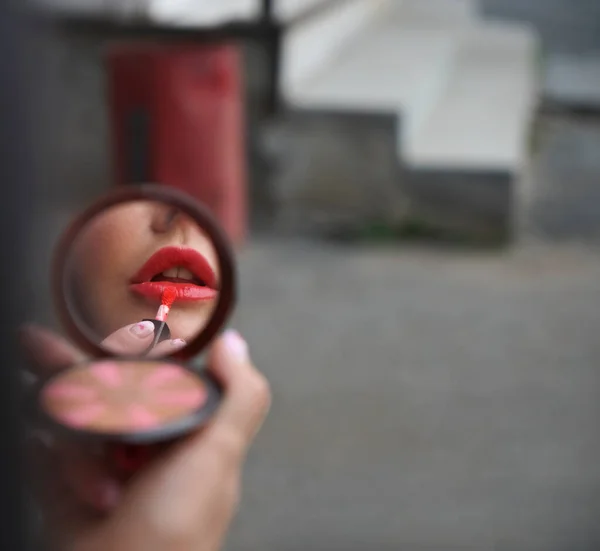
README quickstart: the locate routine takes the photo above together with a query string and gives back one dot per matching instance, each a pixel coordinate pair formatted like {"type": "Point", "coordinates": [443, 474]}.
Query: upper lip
{"type": "Point", "coordinates": [172, 257]}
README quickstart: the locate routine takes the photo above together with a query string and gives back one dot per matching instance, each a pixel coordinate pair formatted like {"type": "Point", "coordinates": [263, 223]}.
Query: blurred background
{"type": "Point", "coordinates": [413, 188]}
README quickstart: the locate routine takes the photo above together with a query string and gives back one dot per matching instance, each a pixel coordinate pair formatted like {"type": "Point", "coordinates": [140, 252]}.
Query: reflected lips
{"type": "Point", "coordinates": [150, 281]}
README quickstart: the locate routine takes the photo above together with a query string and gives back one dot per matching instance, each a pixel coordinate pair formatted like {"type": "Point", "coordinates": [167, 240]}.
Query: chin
{"type": "Point", "coordinates": [186, 331]}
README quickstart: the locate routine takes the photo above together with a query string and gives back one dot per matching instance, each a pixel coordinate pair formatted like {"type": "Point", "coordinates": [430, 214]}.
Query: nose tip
{"type": "Point", "coordinates": [164, 218]}
{"type": "Point", "coordinates": [175, 223]}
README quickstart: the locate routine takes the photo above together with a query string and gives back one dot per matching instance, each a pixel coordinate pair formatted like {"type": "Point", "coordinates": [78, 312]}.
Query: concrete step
{"type": "Point", "coordinates": [189, 13]}
{"type": "Point", "coordinates": [311, 45]}
{"type": "Point", "coordinates": [181, 13]}
{"type": "Point", "coordinates": [461, 94]}
{"type": "Point", "coordinates": [382, 80]}
{"type": "Point", "coordinates": [482, 115]}
{"type": "Point", "coordinates": [389, 60]}
{"type": "Point", "coordinates": [441, 11]}
{"type": "Point", "coordinates": [466, 158]}
{"type": "Point", "coordinates": [381, 71]}
{"type": "Point", "coordinates": [288, 10]}
{"type": "Point", "coordinates": [337, 167]}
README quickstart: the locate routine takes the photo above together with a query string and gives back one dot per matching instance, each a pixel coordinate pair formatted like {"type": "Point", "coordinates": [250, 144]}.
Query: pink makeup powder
{"type": "Point", "coordinates": [123, 397]}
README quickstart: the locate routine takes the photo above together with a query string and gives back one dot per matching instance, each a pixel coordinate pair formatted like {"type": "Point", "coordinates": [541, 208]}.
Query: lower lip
{"type": "Point", "coordinates": [186, 292]}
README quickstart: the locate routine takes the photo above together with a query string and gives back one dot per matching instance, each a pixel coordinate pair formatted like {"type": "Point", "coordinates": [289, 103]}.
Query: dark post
{"type": "Point", "coordinates": [15, 220]}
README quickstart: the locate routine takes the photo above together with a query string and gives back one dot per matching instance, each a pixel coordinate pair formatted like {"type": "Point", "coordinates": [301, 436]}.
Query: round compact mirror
{"type": "Point", "coordinates": [145, 271]}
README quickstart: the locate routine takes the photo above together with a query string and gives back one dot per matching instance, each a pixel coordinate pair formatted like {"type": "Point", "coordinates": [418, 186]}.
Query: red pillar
{"type": "Point", "coordinates": [177, 116]}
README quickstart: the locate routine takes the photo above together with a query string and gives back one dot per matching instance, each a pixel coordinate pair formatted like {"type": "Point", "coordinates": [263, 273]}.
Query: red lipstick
{"type": "Point", "coordinates": [185, 271]}
{"type": "Point", "coordinates": [166, 301]}
{"type": "Point", "coordinates": [161, 329]}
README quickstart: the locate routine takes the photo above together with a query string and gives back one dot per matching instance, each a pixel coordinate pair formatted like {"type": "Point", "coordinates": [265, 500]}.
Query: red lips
{"type": "Point", "coordinates": [149, 281]}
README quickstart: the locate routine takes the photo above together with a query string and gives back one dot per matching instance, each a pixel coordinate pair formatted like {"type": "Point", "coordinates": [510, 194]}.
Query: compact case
{"type": "Point", "coordinates": [177, 398]}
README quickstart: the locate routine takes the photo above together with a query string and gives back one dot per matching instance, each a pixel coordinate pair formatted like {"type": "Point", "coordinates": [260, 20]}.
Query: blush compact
{"type": "Point", "coordinates": [126, 398]}
{"type": "Point", "coordinates": [144, 280]}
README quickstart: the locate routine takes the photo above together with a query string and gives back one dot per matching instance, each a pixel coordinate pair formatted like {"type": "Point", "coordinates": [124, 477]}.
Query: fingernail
{"type": "Point", "coordinates": [142, 329]}
{"type": "Point", "coordinates": [236, 344]}
{"type": "Point", "coordinates": [109, 494]}
{"type": "Point", "coordinates": [178, 343]}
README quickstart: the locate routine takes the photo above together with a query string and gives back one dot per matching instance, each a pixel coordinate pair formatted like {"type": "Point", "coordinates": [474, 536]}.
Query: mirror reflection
{"type": "Point", "coordinates": [142, 260]}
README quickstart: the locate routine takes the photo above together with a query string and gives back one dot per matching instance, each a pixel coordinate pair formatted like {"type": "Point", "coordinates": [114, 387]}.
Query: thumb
{"type": "Point", "coordinates": [247, 394]}
{"type": "Point", "coordinates": [131, 339]}
{"type": "Point", "coordinates": [197, 470]}
{"type": "Point", "coordinates": [47, 351]}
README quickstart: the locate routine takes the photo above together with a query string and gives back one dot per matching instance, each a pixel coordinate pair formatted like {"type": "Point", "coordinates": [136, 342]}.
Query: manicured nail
{"type": "Point", "coordinates": [178, 343]}
{"type": "Point", "coordinates": [236, 345]}
{"type": "Point", "coordinates": [109, 494]}
{"type": "Point", "coordinates": [142, 329]}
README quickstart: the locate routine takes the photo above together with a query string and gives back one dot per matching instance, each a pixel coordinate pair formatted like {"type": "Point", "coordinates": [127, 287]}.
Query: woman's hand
{"type": "Point", "coordinates": [136, 338]}
{"type": "Point", "coordinates": [184, 500]}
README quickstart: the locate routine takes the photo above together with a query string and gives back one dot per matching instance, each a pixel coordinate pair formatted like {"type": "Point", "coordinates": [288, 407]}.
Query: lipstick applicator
{"type": "Point", "coordinates": [127, 459]}
{"type": "Point", "coordinates": [161, 329]}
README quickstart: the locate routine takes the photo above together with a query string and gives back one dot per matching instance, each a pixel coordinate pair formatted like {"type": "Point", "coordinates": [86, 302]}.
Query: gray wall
{"type": "Point", "coordinates": [567, 26]}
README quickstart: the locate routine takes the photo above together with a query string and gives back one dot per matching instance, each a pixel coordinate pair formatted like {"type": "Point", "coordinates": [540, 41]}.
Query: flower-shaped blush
{"type": "Point", "coordinates": [123, 397]}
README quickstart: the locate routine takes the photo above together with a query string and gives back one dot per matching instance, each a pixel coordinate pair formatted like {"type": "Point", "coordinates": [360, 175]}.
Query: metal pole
{"type": "Point", "coordinates": [15, 220]}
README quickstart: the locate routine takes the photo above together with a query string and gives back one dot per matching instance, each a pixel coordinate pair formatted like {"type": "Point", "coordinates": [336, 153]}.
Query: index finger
{"type": "Point", "coordinates": [131, 339]}
{"type": "Point", "coordinates": [47, 351]}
